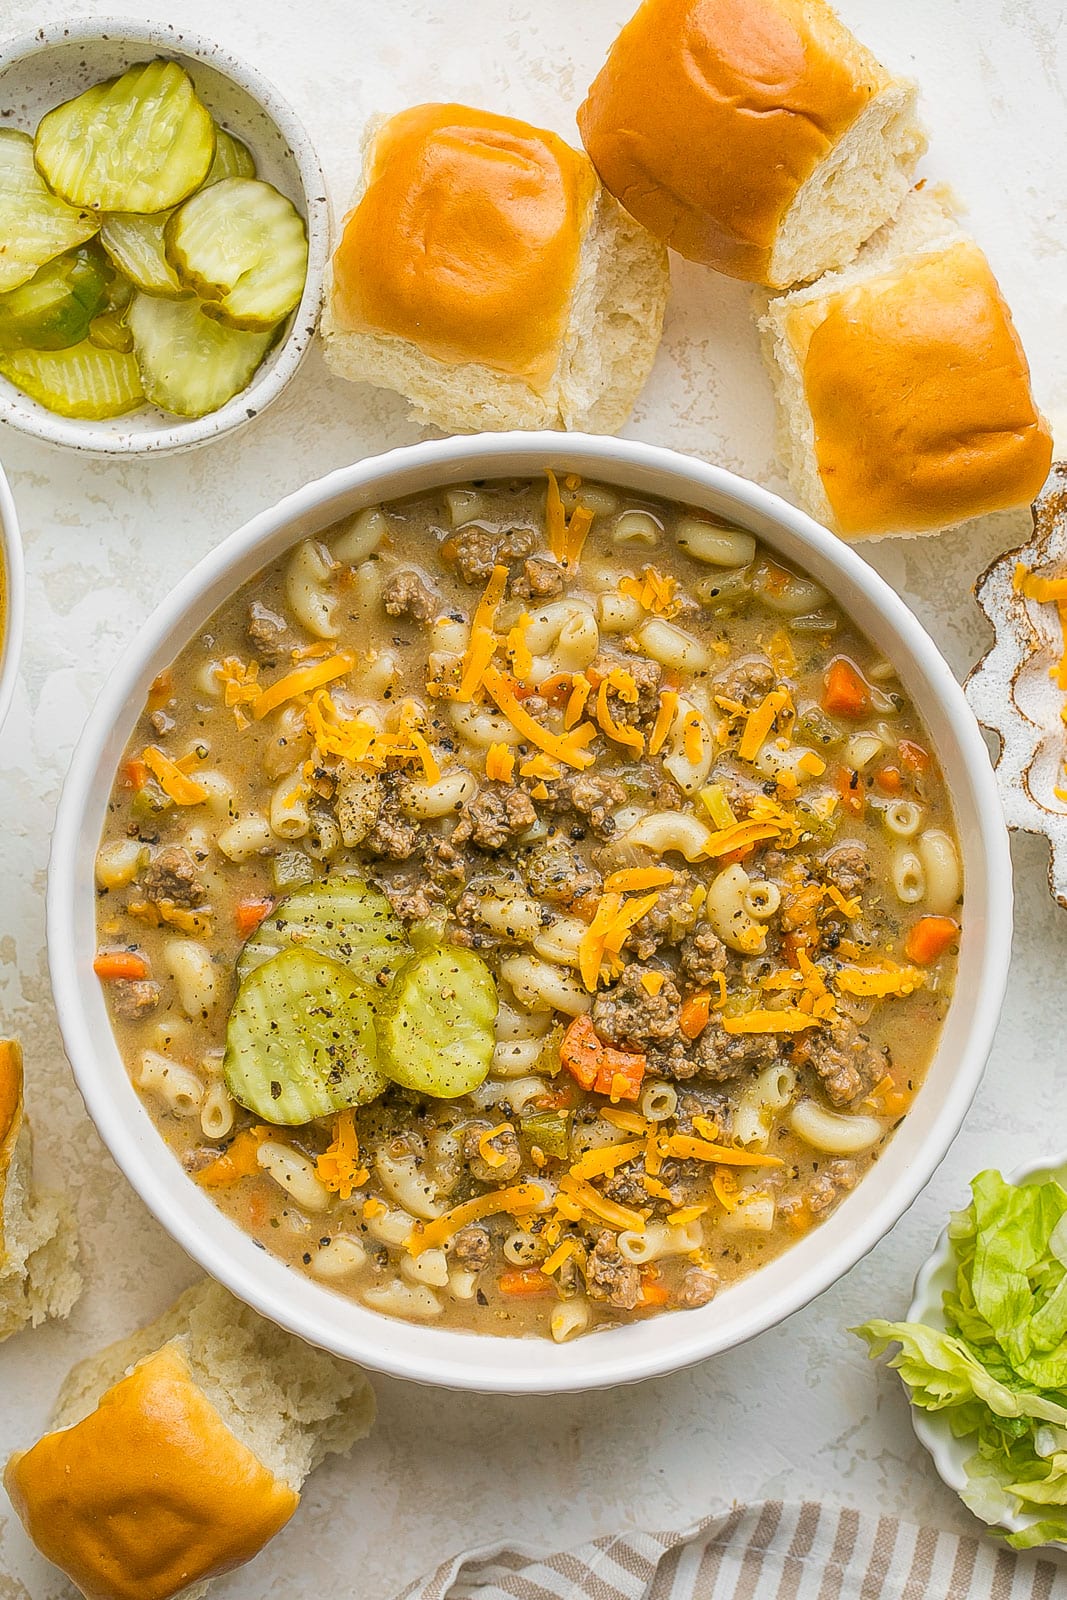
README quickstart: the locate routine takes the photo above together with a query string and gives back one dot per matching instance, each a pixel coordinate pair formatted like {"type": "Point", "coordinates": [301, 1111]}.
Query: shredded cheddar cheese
{"type": "Point", "coordinates": [760, 721]}
{"type": "Point", "coordinates": [339, 1166]}
{"type": "Point", "coordinates": [303, 680]}
{"type": "Point", "coordinates": [183, 790]}
{"type": "Point", "coordinates": [879, 983]}
{"type": "Point", "coordinates": [687, 1148]}
{"type": "Point", "coordinates": [583, 1195]}
{"type": "Point", "coordinates": [568, 748]}
{"type": "Point", "coordinates": [499, 764]}
{"type": "Point", "coordinates": [606, 934]}
{"type": "Point", "coordinates": [787, 1020]}
{"type": "Point", "coordinates": [595, 1163]}
{"type": "Point", "coordinates": [653, 590]}
{"type": "Point", "coordinates": [517, 1200]}
{"type": "Point", "coordinates": [628, 880]}
{"type": "Point", "coordinates": [668, 710]}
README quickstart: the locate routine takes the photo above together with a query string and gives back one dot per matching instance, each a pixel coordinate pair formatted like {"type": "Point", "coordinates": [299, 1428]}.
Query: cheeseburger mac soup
{"type": "Point", "coordinates": [528, 907]}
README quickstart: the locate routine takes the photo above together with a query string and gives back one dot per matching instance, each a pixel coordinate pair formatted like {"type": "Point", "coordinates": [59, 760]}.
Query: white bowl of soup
{"type": "Point", "coordinates": [528, 913]}
{"type": "Point", "coordinates": [12, 597]}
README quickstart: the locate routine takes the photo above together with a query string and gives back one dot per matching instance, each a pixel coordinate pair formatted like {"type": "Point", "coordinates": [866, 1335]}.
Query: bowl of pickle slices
{"type": "Point", "coordinates": [163, 235]}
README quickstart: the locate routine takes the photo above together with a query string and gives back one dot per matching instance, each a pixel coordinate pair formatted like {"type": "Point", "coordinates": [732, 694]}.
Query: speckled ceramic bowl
{"type": "Point", "coordinates": [935, 1276]}
{"type": "Point", "coordinates": [675, 1339]}
{"type": "Point", "coordinates": [12, 597]}
{"type": "Point", "coordinates": [59, 61]}
{"type": "Point", "coordinates": [1011, 690]}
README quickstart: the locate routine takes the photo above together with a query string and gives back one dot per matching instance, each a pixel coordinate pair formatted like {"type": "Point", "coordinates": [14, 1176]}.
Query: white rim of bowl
{"type": "Point", "coordinates": [680, 1349]}
{"type": "Point", "coordinates": [14, 611]}
{"type": "Point", "coordinates": [65, 431]}
{"type": "Point", "coordinates": [931, 1427]}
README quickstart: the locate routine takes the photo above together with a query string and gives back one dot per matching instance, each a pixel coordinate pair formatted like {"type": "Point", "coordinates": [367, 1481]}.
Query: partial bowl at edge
{"type": "Point", "coordinates": [60, 60]}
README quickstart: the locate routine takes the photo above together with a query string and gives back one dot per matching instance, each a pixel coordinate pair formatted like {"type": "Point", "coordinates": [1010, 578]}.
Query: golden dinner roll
{"type": "Point", "coordinates": [758, 137]}
{"type": "Point", "coordinates": [903, 391]}
{"type": "Point", "coordinates": [483, 273]}
{"type": "Point", "coordinates": [38, 1244]}
{"type": "Point", "coordinates": [180, 1451]}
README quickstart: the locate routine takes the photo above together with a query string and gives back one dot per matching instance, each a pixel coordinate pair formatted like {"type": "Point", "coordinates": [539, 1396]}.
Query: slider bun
{"type": "Point", "coordinates": [38, 1245]}
{"type": "Point", "coordinates": [180, 1451]}
{"type": "Point", "coordinates": [903, 390]}
{"type": "Point", "coordinates": [758, 137]}
{"type": "Point", "coordinates": [484, 274]}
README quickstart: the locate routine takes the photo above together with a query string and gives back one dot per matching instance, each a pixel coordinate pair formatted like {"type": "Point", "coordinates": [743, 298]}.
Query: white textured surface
{"type": "Point", "coordinates": [798, 1412]}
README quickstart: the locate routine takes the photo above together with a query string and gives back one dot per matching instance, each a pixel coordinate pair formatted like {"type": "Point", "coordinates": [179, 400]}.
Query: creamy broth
{"type": "Point", "coordinates": [670, 817]}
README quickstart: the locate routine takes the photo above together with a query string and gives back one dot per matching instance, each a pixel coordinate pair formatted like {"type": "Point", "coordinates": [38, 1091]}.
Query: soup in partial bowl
{"type": "Point", "coordinates": [530, 903]}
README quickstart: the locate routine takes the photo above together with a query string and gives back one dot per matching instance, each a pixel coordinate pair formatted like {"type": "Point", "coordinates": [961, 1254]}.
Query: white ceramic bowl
{"type": "Point", "coordinates": [937, 1274]}
{"type": "Point", "coordinates": [12, 597]}
{"type": "Point", "coordinates": [461, 1360]}
{"type": "Point", "coordinates": [57, 62]}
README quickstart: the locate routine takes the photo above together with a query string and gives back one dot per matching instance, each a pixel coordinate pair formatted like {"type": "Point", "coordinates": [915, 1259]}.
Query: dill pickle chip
{"type": "Point", "coordinates": [436, 1027]}
{"type": "Point", "coordinates": [135, 244]}
{"type": "Point", "coordinates": [243, 247]}
{"type": "Point", "coordinates": [109, 331]}
{"type": "Point", "coordinates": [300, 1042]}
{"type": "Point", "coordinates": [55, 308]}
{"type": "Point", "coordinates": [189, 363]}
{"type": "Point", "coordinates": [80, 381]}
{"type": "Point", "coordinates": [35, 225]}
{"type": "Point", "coordinates": [232, 158]}
{"type": "Point", "coordinates": [141, 142]}
{"type": "Point", "coordinates": [342, 919]}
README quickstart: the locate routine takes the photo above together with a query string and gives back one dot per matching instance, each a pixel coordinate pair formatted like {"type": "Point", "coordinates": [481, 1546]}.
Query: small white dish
{"type": "Point", "coordinates": [60, 60]}
{"type": "Point", "coordinates": [12, 597]}
{"type": "Point", "coordinates": [637, 1350]}
{"type": "Point", "coordinates": [1011, 692]}
{"type": "Point", "coordinates": [937, 1274]}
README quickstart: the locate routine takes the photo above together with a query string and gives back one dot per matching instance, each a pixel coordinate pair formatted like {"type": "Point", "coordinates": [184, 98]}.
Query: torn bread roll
{"type": "Point", "coordinates": [38, 1244]}
{"type": "Point", "coordinates": [903, 392]}
{"type": "Point", "coordinates": [180, 1451]}
{"type": "Point", "coordinates": [484, 274]}
{"type": "Point", "coordinates": [758, 137]}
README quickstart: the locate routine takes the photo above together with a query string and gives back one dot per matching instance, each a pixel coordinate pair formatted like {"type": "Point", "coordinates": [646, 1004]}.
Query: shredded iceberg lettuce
{"type": "Point", "coordinates": [998, 1369]}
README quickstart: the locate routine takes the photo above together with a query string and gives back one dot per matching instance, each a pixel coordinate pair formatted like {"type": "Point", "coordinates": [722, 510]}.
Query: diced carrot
{"type": "Point", "coordinates": [248, 914]}
{"type": "Point", "coordinates": [929, 938]}
{"type": "Point", "coordinates": [889, 780]}
{"type": "Point", "coordinates": [914, 757]}
{"type": "Point", "coordinates": [581, 1050]}
{"type": "Point", "coordinates": [653, 1293]}
{"type": "Point", "coordinates": [620, 1076]}
{"type": "Point", "coordinates": [850, 788]}
{"type": "Point", "coordinates": [160, 690]}
{"type": "Point", "coordinates": [112, 965]}
{"type": "Point", "coordinates": [693, 1018]}
{"type": "Point", "coordinates": [565, 1098]}
{"type": "Point", "coordinates": [846, 692]}
{"type": "Point", "coordinates": [525, 1281]}
{"type": "Point", "coordinates": [801, 1219]}
{"type": "Point", "coordinates": [133, 774]}
{"type": "Point", "coordinates": [239, 1161]}
{"type": "Point", "coordinates": [732, 856]}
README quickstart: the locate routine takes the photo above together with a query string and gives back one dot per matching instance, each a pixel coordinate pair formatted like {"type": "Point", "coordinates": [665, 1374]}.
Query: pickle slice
{"type": "Point", "coordinates": [190, 364]}
{"type": "Point", "coordinates": [342, 919]}
{"type": "Point", "coordinates": [135, 245]}
{"type": "Point", "coordinates": [54, 309]}
{"type": "Point", "coordinates": [35, 224]}
{"type": "Point", "coordinates": [141, 142]}
{"type": "Point", "coordinates": [243, 247]}
{"type": "Point", "coordinates": [436, 1028]}
{"type": "Point", "coordinates": [232, 159]}
{"type": "Point", "coordinates": [300, 1041]}
{"type": "Point", "coordinates": [108, 331]}
{"type": "Point", "coordinates": [81, 381]}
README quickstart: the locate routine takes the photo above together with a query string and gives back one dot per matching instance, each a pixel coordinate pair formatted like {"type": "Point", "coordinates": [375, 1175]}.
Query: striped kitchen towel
{"type": "Point", "coordinates": [767, 1551]}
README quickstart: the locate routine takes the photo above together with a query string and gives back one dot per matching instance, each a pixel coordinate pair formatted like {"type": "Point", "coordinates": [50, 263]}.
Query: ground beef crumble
{"type": "Point", "coordinates": [608, 1277]}
{"type": "Point", "coordinates": [133, 998]}
{"type": "Point", "coordinates": [406, 594]}
{"type": "Point", "coordinates": [269, 634]}
{"type": "Point", "coordinates": [626, 1014]}
{"type": "Point", "coordinates": [495, 818]}
{"type": "Point", "coordinates": [172, 876]}
{"type": "Point", "coordinates": [848, 867]}
{"type": "Point", "coordinates": [476, 550]}
{"type": "Point", "coordinates": [843, 1059]}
